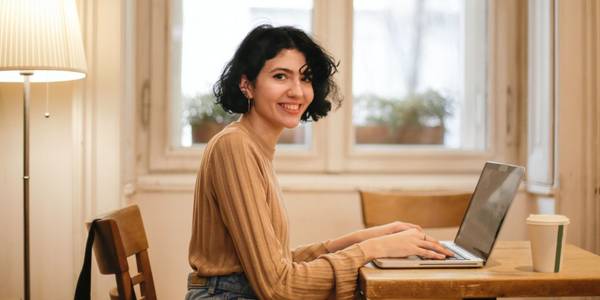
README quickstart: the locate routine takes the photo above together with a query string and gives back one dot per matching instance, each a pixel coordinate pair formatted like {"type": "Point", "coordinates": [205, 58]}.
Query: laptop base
{"type": "Point", "coordinates": [463, 260]}
{"type": "Point", "coordinates": [416, 263]}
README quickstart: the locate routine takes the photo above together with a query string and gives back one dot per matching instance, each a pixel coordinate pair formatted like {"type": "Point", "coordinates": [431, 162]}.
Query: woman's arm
{"type": "Point", "coordinates": [368, 233]}
{"type": "Point", "coordinates": [309, 252]}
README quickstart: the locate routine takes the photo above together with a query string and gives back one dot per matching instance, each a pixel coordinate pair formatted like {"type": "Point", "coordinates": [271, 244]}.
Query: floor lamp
{"type": "Point", "coordinates": [40, 42]}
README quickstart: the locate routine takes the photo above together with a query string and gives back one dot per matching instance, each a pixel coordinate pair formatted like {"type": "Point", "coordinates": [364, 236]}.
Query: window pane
{"type": "Point", "coordinates": [204, 37]}
{"type": "Point", "coordinates": [419, 72]}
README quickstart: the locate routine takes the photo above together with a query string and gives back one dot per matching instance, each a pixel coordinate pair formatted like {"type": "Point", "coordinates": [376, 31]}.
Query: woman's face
{"type": "Point", "coordinates": [280, 92]}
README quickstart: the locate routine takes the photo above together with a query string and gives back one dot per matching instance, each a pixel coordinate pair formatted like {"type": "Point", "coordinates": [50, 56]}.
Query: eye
{"type": "Point", "coordinates": [307, 79]}
{"type": "Point", "coordinates": [280, 76]}
{"type": "Point", "coordinates": [306, 74]}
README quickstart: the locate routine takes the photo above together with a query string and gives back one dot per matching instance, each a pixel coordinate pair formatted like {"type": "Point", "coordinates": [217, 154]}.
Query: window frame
{"type": "Point", "coordinates": [325, 155]}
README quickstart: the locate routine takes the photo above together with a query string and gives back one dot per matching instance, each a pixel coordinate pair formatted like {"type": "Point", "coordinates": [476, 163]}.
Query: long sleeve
{"type": "Point", "coordinates": [249, 206]}
{"type": "Point", "coordinates": [309, 252]}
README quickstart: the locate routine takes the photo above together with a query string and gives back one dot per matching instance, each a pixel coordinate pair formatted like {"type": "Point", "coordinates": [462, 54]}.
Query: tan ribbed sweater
{"type": "Point", "coordinates": [240, 225]}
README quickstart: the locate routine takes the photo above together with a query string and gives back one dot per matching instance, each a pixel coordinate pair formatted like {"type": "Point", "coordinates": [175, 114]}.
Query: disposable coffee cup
{"type": "Point", "coordinates": [547, 234]}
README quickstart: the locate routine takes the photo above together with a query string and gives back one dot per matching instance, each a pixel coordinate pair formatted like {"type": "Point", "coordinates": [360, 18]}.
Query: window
{"type": "Point", "coordinates": [425, 89]}
{"type": "Point", "coordinates": [418, 72]}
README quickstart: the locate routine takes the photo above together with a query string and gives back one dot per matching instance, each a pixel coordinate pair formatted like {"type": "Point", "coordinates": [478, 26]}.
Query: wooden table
{"type": "Point", "coordinates": [508, 273]}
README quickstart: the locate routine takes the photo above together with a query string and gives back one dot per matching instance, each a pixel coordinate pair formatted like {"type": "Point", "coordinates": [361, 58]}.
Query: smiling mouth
{"type": "Point", "coordinates": [292, 108]}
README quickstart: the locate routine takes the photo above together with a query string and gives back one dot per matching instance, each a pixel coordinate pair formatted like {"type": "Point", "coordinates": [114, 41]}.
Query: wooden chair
{"type": "Point", "coordinates": [120, 234]}
{"type": "Point", "coordinates": [435, 209]}
{"type": "Point", "coordinates": [429, 209]}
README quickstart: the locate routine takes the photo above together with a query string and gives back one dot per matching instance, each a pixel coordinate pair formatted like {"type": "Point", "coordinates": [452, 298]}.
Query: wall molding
{"type": "Point", "coordinates": [322, 183]}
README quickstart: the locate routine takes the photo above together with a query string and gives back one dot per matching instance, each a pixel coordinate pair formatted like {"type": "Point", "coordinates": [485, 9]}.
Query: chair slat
{"type": "Point", "coordinates": [137, 279]}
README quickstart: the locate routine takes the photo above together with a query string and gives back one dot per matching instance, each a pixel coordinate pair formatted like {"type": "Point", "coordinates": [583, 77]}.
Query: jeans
{"type": "Point", "coordinates": [228, 287]}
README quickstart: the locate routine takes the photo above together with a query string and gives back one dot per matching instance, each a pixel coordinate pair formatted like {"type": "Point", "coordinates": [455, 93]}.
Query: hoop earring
{"type": "Point", "coordinates": [250, 103]}
{"type": "Point", "coordinates": [245, 94]}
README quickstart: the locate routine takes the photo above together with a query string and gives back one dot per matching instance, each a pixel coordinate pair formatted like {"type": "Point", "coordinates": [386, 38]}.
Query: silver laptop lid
{"type": "Point", "coordinates": [497, 187]}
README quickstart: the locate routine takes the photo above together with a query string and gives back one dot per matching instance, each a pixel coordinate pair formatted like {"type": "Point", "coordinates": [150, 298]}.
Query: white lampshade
{"type": "Point", "coordinates": [42, 37]}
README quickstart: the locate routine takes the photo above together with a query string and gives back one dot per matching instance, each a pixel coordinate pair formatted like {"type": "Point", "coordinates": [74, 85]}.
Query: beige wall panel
{"type": "Point", "coordinates": [514, 227]}
{"type": "Point", "coordinates": [168, 222]}
{"type": "Point", "coordinates": [51, 199]}
{"type": "Point", "coordinates": [50, 192]}
{"type": "Point", "coordinates": [11, 186]}
{"type": "Point", "coordinates": [578, 35]}
{"type": "Point", "coordinates": [318, 216]}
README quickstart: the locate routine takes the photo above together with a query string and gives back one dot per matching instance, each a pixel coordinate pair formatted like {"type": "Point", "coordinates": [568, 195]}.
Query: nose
{"type": "Point", "coordinates": [295, 89]}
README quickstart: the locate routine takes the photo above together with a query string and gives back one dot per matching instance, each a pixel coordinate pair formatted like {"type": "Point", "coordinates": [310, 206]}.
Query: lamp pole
{"type": "Point", "coordinates": [26, 98]}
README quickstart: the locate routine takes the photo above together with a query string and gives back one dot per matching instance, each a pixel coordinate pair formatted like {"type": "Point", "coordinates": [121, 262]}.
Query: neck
{"type": "Point", "coordinates": [266, 132]}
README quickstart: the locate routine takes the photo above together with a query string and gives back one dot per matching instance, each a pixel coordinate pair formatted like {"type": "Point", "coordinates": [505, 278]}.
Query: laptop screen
{"type": "Point", "coordinates": [497, 186]}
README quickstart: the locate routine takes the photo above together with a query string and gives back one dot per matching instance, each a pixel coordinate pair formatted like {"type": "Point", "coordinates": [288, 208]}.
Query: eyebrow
{"type": "Point", "coordinates": [279, 69]}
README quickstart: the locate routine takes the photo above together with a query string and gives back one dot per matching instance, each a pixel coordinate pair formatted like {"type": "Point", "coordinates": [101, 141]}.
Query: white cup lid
{"type": "Point", "coordinates": [547, 220]}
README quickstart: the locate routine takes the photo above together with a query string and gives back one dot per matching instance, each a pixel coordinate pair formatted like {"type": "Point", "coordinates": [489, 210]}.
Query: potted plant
{"type": "Point", "coordinates": [205, 117]}
{"type": "Point", "coordinates": [415, 119]}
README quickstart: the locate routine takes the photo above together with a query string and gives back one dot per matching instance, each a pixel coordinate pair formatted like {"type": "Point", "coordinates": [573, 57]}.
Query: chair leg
{"type": "Point", "coordinates": [124, 286]}
{"type": "Point", "coordinates": [147, 285]}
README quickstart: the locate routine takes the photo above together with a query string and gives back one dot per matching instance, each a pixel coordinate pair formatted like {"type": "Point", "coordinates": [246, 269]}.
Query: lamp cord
{"type": "Point", "coordinates": [47, 113]}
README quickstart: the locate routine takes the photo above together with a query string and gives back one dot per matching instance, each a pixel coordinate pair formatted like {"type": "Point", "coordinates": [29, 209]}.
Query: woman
{"type": "Point", "coordinates": [239, 246]}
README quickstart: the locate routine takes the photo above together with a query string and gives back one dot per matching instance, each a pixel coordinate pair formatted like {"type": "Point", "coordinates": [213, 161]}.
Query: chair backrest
{"type": "Point", "coordinates": [120, 234]}
{"type": "Point", "coordinates": [431, 209]}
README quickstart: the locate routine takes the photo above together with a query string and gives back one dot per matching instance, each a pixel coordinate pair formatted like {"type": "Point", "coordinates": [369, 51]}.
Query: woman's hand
{"type": "Point", "coordinates": [368, 233]}
{"type": "Point", "coordinates": [404, 243]}
{"type": "Point", "coordinates": [381, 230]}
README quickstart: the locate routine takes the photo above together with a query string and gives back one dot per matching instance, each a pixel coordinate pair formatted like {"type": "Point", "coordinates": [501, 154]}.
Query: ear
{"type": "Point", "coordinates": [246, 87]}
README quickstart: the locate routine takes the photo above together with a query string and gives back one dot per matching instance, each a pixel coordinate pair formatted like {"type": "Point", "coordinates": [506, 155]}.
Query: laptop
{"type": "Point", "coordinates": [489, 204]}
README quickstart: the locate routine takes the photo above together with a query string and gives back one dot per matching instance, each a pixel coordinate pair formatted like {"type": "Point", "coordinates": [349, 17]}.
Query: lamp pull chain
{"type": "Point", "coordinates": [47, 113]}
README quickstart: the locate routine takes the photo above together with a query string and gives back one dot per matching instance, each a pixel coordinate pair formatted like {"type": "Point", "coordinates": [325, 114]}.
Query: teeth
{"type": "Point", "coordinates": [291, 106]}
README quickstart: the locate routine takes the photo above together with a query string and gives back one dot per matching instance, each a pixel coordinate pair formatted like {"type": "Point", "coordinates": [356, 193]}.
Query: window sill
{"type": "Point", "coordinates": [324, 182]}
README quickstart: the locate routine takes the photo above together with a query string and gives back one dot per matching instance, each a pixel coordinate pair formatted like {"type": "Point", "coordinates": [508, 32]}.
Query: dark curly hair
{"type": "Point", "coordinates": [265, 42]}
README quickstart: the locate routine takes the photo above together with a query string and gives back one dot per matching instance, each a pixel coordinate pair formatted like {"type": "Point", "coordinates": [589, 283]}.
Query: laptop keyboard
{"type": "Point", "coordinates": [455, 257]}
